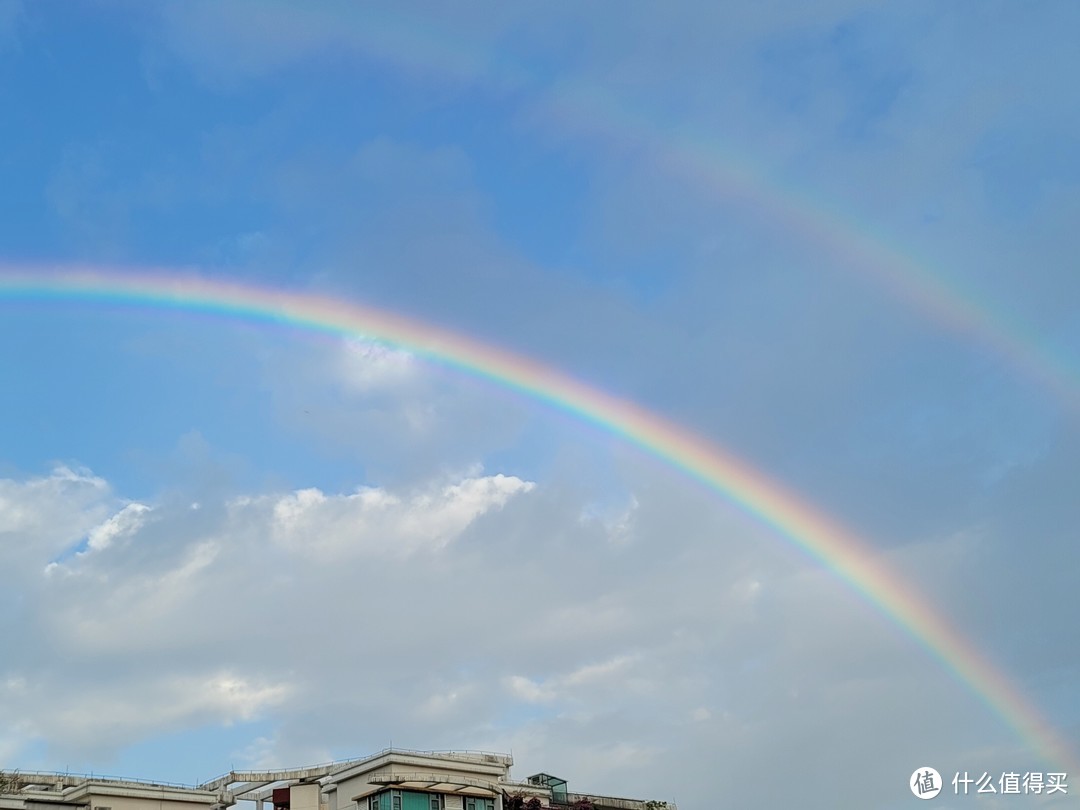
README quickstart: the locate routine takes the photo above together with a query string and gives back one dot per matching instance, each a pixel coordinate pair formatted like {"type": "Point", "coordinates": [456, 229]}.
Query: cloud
{"type": "Point", "coordinates": [597, 675]}
{"type": "Point", "coordinates": [127, 709]}
{"type": "Point", "coordinates": [152, 593]}
{"type": "Point", "coordinates": [400, 415]}
{"type": "Point", "coordinates": [371, 366]}
{"type": "Point", "coordinates": [735, 283]}
{"type": "Point", "coordinates": [44, 516]}
{"type": "Point", "coordinates": [374, 521]}
{"type": "Point", "coordinates": [123, 524]}
{"type": "Point", "coordinates": [479, 610]}
{"type": "Point", "coordinates": [528, 690]}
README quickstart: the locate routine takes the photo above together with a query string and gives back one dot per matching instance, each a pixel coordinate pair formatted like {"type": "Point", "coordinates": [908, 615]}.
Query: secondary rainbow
{"type": "Point", "coordinates": [706, 164]}
{"type": "Point", "coordinates": [700, 159]}
{"type": "Point", "coordinates": [838, 549]}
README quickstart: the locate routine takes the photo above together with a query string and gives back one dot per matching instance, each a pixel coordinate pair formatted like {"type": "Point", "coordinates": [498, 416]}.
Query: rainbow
{"type": "Point", "coordinates": [853, 245]}
{"type": "Point", "coordinates": [701, 160]}
{"type": "Point", "coordinates": [835, 547]}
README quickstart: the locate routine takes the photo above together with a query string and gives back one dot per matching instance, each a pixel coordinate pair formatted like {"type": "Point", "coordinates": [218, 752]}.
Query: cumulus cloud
{"type": "Point", "coordinates": [123, 524]}
{"type": "Point", "coordinates": [169, 587]}
{"type": "Point", "coordinates": [45, 516]}
{"type": "Point", "coordinates": [459, 611]}
{"type": "Point", "coordinates": [375, 521]}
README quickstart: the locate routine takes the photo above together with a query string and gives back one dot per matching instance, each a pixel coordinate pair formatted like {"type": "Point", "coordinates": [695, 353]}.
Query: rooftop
{"type": "Point", "coordinates": [468, 772]}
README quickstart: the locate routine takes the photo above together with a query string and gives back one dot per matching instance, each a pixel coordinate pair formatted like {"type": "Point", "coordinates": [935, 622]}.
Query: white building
{"type": "Point", "coordinates": [394, 779]}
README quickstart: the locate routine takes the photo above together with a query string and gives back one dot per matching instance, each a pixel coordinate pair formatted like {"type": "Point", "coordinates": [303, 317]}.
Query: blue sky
{"type": "Point", "coordinates": [232, 544]}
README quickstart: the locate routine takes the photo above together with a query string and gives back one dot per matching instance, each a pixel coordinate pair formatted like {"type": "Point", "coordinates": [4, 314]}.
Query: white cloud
{"type": "Point", "coordinates": [528, 690]}
{"type": "Point", "coordinates": [81, 475]}
{"type": "Point", "coordinates": [612, 670]}
{"type": "Point", "coordinates": [604, 675]}
{"type": "Point", "coordinates": [135, 709]}
{"type": "Point", "coordinates": [368, 366]}
{"type": "Point", "coordinates": [43, 517]}
{"type": "Point", "coordinates": [123, 524]}
{"type": "Point", "coordinates": [457, 613]}
{"type": "Point", "coordinates": [376, 521]}
{"type": "Point", "coordinates": [22, 504]}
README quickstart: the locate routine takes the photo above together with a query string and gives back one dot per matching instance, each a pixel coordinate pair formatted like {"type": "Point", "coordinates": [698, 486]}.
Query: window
{"type": "Point", "coordinates": [436, 801]}
{"type": "Point", "coordinates": [397, 801]}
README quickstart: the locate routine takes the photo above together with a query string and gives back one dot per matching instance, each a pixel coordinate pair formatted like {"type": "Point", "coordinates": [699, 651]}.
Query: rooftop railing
{"type": "Point", "coordinates": [74, 779]}
{"type": "Point", "coordinates": [615, 803]}
{"type": "Point", "coordinates": [337, 765]}
{"type": "Point", "coordinates": [433, 778]}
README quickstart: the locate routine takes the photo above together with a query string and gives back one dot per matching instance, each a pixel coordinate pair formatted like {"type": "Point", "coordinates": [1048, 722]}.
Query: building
{"type": "Point", "coordinates": [393, 779]}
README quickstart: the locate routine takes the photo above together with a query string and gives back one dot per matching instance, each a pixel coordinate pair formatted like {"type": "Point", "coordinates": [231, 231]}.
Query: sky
{"type": "Point", "coordinates": [834, 242]}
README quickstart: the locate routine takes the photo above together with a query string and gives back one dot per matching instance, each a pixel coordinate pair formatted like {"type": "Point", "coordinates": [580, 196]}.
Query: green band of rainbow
{"type": "Point", "coordinates": [836, 548]}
